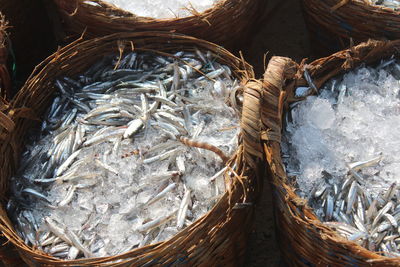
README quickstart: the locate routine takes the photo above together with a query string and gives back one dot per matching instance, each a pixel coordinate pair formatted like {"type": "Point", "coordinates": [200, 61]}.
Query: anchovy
{"type": "Point", "coordinates": [133, 127]}
{"type": "Point", "coordinates": [363, 164]}
{"type": "Point", "coordinates": [67, 163]}
{"type": "Point", "coordinates": [157, 222]}
{"type": "Point", "coordinates": [183, 208]}
{"type": "Point", "coordinates": [161, 156]}
{"type": "Point", "coordinates": [77, 243]}
{"type": "Point", "coordinates": [310, 81]}
{"type": "Point", "coordinates": [160, 195]}
{"type": "Point", "coordinates": [36, 194]}
{"type": "Point", "coordinates": [104, 137]}
{"type": "Point", "coordinates": [68, 196]}
{"type": "Point", "coordinates": [383, 211]}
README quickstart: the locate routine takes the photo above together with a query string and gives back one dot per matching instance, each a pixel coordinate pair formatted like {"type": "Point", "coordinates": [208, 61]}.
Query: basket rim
{"type": "Point", "coordinates": [125, 14]}
{"type": "Point", "coordinates": [358, 3]}
{"type": "Point", "coordinates": [381, 8]}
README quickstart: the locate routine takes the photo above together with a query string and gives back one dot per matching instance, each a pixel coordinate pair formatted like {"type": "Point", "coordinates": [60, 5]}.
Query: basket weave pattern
{"type": "Point", "coordinates": [332, 22]}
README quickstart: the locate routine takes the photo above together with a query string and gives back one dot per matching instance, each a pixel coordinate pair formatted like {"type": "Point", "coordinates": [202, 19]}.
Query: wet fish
{"type": "Point", "coordinates": [140, 111]}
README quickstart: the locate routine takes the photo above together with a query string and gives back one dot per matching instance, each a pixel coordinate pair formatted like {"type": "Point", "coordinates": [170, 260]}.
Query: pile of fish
{"type": "Point", "coordinates": [356, 215]}
{"type": "Point", "coordinates": [163, 9]}
{"type": "Point", "coordinates": [395, 4]}
{"type": "Point", "coordinates": [129, 153]}
{"type": "Point", "coordinates": [340, 148]}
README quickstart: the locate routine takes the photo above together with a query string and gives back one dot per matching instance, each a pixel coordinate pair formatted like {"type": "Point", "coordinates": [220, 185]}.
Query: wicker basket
{"type": "Point", "coordinates": [214, 24]}
{"type": "Point", "coordinates": [304, 240]}
{"type": "Point", "coordinates": [333, 22]}
{"type": "Point", "coordinates": [216, 239]}
{"type": "Point", "coordinates": [5, 82]}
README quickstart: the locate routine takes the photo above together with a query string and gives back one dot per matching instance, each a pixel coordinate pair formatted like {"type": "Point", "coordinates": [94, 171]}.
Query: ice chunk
{"type": "Point", "coordinates": [135, 238]}
{"type": "Point", "coordinates": [117, 228]}
{"type": "Point", "coordinates": [321, 114]}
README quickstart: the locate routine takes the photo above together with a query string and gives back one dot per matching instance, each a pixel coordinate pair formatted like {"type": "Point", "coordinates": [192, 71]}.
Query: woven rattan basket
{"type": "Point", "coordinates": [216, 239]}
{"type": "Point", "coordinates": [333, 22]}
{"type": "Point", "coordinates": [303, 239]}
{"type": "Point", "coordinates": [227, 23]}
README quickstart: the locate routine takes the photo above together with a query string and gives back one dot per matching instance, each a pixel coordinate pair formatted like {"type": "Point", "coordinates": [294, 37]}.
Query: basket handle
{"type": "Point", "coordinates": [279, 72]}
{"type": "Point", "coordinates": [251, 122]}
{"type": "Point", "coordinates": [263, 106]}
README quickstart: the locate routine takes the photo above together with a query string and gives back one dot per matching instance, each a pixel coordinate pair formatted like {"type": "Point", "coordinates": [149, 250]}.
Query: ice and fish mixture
{"type": "Point", "coordinates": [127, 157]}
{"type": "Point", "coordinates": [342, 149]}
{"type": "Point", "coordinates": [163, 9]}
{"type": "Point", "coordinates": [395, 4]}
